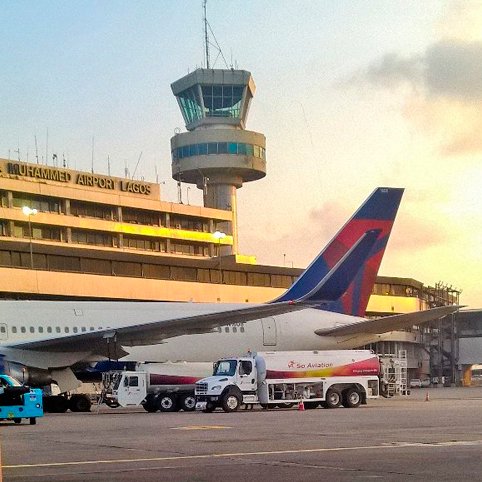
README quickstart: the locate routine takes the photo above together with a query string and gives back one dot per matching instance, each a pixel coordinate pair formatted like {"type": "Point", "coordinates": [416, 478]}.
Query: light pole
{"type": "Point", "coordinates": [219, 235]}
{"type": "Point", "coordinates": [30, 212]}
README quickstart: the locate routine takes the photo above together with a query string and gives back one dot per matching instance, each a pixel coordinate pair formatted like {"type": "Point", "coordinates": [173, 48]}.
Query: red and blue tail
{"type": "Point", "coordinates": [342, 276]}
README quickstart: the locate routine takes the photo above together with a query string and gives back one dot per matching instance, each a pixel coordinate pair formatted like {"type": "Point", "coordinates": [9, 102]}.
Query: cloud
{"type": "Point", "coordinates": [450, 69]}
{"type": "Point", "coordinates": [453, 69]}
{"type": "Point", "coordinates": [444, 97]}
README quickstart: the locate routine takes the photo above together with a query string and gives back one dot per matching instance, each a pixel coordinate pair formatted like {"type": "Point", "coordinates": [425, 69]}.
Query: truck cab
{"type": "Point", "coordinates": [124, 388]}
{"type": "Point", "coordinates": [234, 381]}
{"type": "Point", "coordinates": [19, 401]}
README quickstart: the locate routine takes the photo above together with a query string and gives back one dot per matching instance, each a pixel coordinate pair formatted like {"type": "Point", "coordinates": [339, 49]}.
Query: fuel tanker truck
{"type": "Point", "coordinates": [167, 386]}
{"type": "Point", "coordinates": [312, 378]}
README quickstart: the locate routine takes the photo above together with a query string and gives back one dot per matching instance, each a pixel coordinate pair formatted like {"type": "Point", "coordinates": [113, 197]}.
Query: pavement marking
{"type": "Point", "coordinates": [201, 427]}
{"type": "Point", "coordinates": [395, 445]}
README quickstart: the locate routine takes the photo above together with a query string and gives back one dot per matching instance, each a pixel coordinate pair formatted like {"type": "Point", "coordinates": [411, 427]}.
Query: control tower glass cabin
{"type": "Point", "coordinates": [217, 153]}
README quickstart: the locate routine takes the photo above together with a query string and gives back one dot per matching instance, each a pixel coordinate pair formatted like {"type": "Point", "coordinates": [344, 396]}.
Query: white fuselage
{"type": "Point", "coordinates": [34, 320]}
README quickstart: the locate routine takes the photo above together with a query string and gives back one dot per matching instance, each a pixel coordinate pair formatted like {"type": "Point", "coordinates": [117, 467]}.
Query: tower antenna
{"type": "Point", "coordinates": [92, 160]}
{"type": "Point", "coordinates": [135, 169]}
{"type": "Point", "coordinates": [36, 148]}
{"type": "Point", "coordinates": [206, 37]}
{"type": "Point", "coordinates": [208, 30]}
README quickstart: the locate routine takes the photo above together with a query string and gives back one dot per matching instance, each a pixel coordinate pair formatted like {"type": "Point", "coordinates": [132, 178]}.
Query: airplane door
{"type": "Point", "coordinates": [3, 331]}
{"type": "Point", "coordinates": [269, 331]}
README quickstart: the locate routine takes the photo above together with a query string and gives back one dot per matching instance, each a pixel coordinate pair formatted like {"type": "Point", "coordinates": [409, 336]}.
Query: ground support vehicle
{"type": "Point", "coordinates": [280, 379]}
{"type": "Point", "coordinates": [19, 401]}
{"type": "Point", "coordinates": [167, 387]}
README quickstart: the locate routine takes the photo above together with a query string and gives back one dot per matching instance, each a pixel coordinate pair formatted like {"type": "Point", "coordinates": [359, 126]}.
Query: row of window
{"type": "Point", "coordinates": [207, 148]}
{"type": "Point", "coordinates": [24, 230]}
{"type": "Point", "coordinates": [51, 262]}
{"type": "Point", "coordinates": [83, 329]}
{"type": "Point", "coordinates": [49, 329]}
{"type": "Point", "coordinates": [99, 238]}
{"type": "Point", "coordinates": [105, 212]}
{"type": "Point", "coordinates": [211, 101]}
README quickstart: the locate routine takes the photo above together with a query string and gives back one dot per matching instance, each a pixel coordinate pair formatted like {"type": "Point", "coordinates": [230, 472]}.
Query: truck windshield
{"type": "Point", "coordinates": [115, 380]}
{"type": "Point", "coordinates": [225, 368]}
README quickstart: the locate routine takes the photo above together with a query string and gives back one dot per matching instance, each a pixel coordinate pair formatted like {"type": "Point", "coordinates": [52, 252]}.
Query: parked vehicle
{"type": "Point", "coordinates": [167, 387]}
{"type": "Point", "coordinates": [415, 383]}
{"type": "Point", "coordinates": [19, 401]}
{"type": "Point", "coordinates": [279, 379]}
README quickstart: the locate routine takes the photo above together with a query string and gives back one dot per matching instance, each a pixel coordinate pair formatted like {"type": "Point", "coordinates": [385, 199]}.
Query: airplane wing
{"type": "Point", "coordinates": [389, 323]}
{"type": "Point", "coordinates": [103, 342]}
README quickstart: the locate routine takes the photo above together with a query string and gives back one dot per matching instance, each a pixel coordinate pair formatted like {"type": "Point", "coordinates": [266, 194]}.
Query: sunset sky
{"type": "Point", "coordinates": [351, 95]}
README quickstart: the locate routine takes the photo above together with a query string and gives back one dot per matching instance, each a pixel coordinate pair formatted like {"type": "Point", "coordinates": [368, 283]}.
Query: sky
{"type": "Point", "coordinates": [350, 95]}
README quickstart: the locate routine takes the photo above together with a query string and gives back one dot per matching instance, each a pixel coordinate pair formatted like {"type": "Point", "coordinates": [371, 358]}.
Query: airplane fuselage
{"type": "Point", "coordinates": [291, 331]}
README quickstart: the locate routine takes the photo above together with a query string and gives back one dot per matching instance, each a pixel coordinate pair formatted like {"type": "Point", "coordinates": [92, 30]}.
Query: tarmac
{"type": "Point", "coordinates": [402, 438]}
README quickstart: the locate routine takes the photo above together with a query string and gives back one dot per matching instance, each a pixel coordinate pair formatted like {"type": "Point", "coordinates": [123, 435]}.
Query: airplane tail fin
{"type": "Point", "coordinates": [342, 276]}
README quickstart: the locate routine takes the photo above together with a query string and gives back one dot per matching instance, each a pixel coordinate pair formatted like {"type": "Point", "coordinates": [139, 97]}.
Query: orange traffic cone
{"type": "Point", "coordinates": [427, 397]}
{"type": "Point", "coordinates": [301, 406]}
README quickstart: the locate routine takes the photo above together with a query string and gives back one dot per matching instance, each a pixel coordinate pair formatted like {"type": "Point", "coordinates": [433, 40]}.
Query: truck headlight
{"type": "Point", "coordinates": [216, 387]}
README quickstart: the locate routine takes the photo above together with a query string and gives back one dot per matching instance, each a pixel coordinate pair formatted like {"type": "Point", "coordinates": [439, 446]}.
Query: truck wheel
{"type": "Point", "coordinates": [351, 398]}
{"type": "Point", "coordinates": [55, 404]}
{"type": "Point", "coordinates": [230, 402]}
{"type": "Point", "coordinates": [79, 403]}
{"type": "Point", "coordinates": [284, 405]}
{"type": "Point", "coordinates": [33, 421]}
{"type": "Point", "coordinates": [188, 402]}
{"type": "Point", "coordinates": [151, 404]}
{"type": "Point", "coordinates": [333, 398]}
{"type": "Point", "coordinates": [210, 407]}
{"type": "Point", "coordinates": [17, 420]}
{"type": "Point", "coordinates": [167, 403]}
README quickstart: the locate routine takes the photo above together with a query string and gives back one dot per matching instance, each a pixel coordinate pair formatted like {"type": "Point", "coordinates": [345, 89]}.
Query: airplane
{"type": "Point", "coordinates": [42, 341]}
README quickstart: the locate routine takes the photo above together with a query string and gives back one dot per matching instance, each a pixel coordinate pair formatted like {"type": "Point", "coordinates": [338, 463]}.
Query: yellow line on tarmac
{"type": "Point", "coordinates": [201, 427]}
{"type": "Point", "coordinates": [395, 445]}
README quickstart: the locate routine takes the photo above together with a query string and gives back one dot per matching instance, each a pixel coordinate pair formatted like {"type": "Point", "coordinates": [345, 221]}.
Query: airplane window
{"type": "Point", "coordinates": [226, 329]}
{"type": "Point", "coordinates": [235, 330]}
{"type": "Point", "coordinates": [241, 329]}
{"type": "Point", "coordinates": [57, 329]}
{"type": "Point", "coordinates": [40, 329]}
{"type": "Point", "coordinates": [23, 329]}
{"type": "Point", "coordinates": [219, 329]}
{"type": "Point", "coordinates": [49, 329]}
{"type": "Point", "coordinates": [75, 329]}
{"type": "Point", "coordinates": [3, 329]}
{"type": "Point", "coordinates": [14, 329]}
{"type": "Point", "coordinates": [84, 329]}
{"type": "Point", "coordinates": [32, 329]}
{"type": "Point", "coordinates": [67, 329]}
{"type": "Point", "coordinates": [91, 328]}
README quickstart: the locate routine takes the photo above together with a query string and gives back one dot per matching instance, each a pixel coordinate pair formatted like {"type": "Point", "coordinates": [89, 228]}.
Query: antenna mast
{"type": "Point", "coordinates": [206, 38]}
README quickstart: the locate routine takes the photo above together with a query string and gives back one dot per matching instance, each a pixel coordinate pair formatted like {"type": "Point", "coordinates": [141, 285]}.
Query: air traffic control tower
{"type": "Point", "coordinates": [217, 153]}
